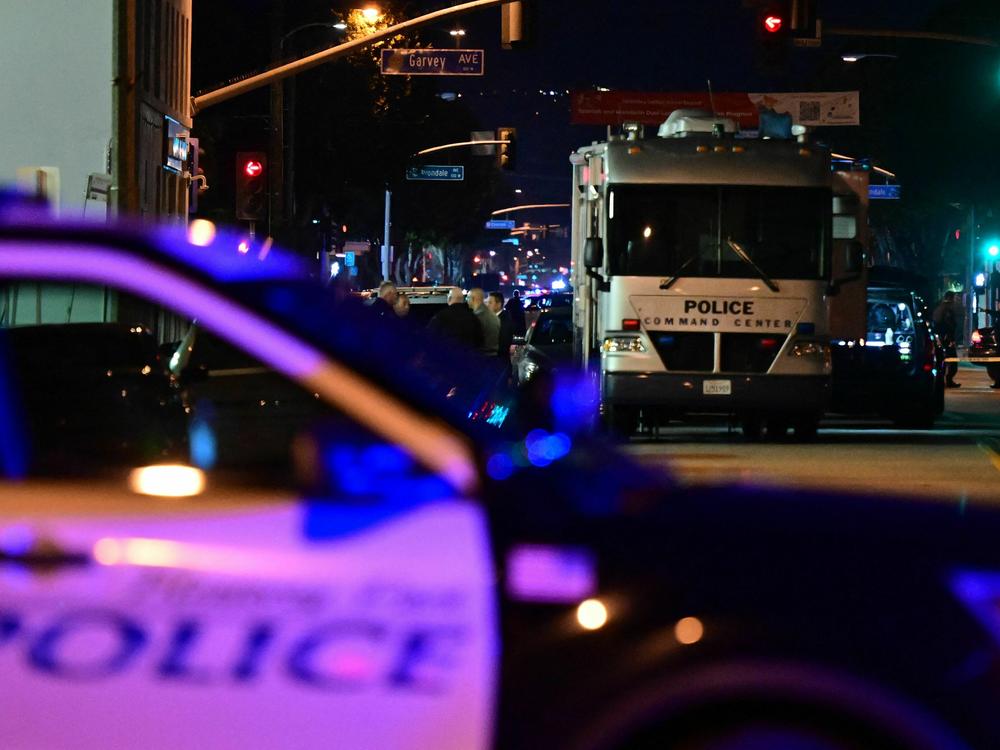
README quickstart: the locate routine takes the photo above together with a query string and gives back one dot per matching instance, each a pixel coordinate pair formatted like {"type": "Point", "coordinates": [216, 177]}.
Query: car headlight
{"type": "Point", "coordinates": [623, 344]}
{"type": "Point", "coordinates": [528, 369]}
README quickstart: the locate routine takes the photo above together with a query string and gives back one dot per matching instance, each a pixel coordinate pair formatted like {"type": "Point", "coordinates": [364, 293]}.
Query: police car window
{"type": "Point", "coordinates": [96, 395]}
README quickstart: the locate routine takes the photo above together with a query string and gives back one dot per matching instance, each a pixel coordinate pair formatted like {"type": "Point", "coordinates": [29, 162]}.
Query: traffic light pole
{"type": "Point", "coordinates": [385, 237]}
{"type": "Point", "coordinates": [202, 102]}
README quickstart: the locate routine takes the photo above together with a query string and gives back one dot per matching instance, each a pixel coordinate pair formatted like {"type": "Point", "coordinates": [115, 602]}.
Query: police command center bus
{"type": "Point", "coordinates": [702, 267]}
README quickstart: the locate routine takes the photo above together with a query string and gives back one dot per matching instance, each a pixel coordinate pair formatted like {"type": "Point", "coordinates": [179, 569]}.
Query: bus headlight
{"type": "Point", "coordinates": [623, 344]}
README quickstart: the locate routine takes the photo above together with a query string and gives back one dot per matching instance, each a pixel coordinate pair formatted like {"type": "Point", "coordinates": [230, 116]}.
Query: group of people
{"type": "Point", "coordinates": [481, 322]}
{"type": "Point", "coordinates": [391, 300]}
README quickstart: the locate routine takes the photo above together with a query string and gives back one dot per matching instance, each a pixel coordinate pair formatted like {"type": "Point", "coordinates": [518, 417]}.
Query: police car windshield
{"type": "Point", "coordinates": [664, 230]}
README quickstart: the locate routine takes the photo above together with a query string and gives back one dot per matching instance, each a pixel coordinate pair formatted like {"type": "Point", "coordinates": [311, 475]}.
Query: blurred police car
{"type": "Point", "coordinates": [428, 571]}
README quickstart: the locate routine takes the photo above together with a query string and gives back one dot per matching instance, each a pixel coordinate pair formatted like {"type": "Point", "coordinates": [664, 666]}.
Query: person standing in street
{"type": "Point", "coordinates": [457, 322]}
{"type": "Point", "coordinates": [495, 303]}
{"type": "Point", "coordinates": [402, 306]}
{"type": "Point", "coordinates": [487, 321]}
{"type": "Point", "coordinates": [385, 302]}
{"type": "Point", "coordinates": [946, 327]}
{"type": "Point", "coordinates": [515, 310]}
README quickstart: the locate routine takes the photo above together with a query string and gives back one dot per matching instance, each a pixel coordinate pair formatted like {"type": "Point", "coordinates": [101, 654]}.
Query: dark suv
{"type": "Point", "coordinates": [898, 369]}
{"type": "Point", "coordinates": [984, 348]}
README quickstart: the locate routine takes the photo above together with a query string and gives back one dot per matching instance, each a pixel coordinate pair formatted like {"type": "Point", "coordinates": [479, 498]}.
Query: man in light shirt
{"type": "Point", "coordinates": [487, 320]}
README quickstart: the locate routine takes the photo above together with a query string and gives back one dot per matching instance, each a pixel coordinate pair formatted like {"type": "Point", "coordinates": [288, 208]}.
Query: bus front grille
{"type": "Point", "coordinates": [693, 352]}
{"type": "Point", "coordinates": [738, 352]}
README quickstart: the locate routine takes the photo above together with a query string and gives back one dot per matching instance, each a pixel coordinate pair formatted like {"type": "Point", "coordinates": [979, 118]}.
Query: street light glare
{"type": "Point", "coordinates": [371, 14]}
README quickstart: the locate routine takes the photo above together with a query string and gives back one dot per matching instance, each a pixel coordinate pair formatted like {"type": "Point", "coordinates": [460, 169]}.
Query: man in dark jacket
{"type": "Point", "coordinates": [457, 322]}
{"type": "Point", "coordinates": [383, 304]}
{"type": "Point", "coordinates": [946, 327]}
{"type": "Point", "coordinates": [515, 310]}
{"type": "Point", "coordinates": [495, 303]}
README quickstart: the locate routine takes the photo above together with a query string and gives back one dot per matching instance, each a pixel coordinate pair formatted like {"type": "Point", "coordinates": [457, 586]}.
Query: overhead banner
{"type": "Point", "coordinates": [818, 108]}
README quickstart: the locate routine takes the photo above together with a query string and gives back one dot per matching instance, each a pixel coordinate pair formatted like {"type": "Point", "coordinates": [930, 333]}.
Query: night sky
{"type": "Point", "coordinates": [930, 113]}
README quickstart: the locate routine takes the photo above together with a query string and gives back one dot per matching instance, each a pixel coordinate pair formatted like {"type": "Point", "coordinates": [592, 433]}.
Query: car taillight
{"type": "Point", "coordinates": [630, 324]}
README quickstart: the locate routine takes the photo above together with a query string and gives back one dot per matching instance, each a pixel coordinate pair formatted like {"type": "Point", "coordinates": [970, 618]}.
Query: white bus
{"type": "Point", "coordinates": [703, 265]}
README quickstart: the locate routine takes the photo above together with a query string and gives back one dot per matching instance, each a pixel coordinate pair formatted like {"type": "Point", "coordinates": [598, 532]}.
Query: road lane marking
{"type": "Point", "coordinates": [992, 450]}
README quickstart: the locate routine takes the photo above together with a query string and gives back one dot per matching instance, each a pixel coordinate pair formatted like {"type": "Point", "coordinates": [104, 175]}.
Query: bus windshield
{"type": "Point", "coordinates": [732, 231]}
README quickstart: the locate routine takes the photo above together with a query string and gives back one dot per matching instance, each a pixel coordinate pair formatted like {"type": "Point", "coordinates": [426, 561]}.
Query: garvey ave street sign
{"type": "Point", "coordinates": [432, 62]}
{"type": "Point", "coordinates": [435, 172]}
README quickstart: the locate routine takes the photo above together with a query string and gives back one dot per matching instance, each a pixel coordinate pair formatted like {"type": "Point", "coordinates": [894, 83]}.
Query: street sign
{"type": "Point", "coordinates": [500, 224]}
{"type": "Point", "coordinates": [349, 259]}
{"type": "Point", "coordinates": [884, 192]}
{"type": "Point", "coordinates": [435, 172]}
{"type": "Point", "coordinates": [433, 62]}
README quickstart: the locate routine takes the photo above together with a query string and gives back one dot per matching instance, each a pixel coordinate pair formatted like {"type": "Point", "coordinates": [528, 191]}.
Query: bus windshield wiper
{"type": "Point", "coordinates": [743, 255]}
{"type": "Point", "coordinates": [672, 279]}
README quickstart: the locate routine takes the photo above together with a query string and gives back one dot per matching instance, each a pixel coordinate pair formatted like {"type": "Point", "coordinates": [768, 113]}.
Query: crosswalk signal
{"type": "Point", "coordinates": [506, 151]}
{"type": "Point", "coordinates": [251, 185]}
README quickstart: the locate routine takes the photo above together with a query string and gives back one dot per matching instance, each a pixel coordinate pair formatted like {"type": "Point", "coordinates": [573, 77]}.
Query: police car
{"type": "Point", "coordinates": [426, 567]}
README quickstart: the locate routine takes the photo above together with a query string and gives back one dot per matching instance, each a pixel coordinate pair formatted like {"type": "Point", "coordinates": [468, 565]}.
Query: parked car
{"type": "Point", "coordinates": [547, 346]}
{"type": "Point", "coordinates": [538, 303]}
{"type": "Point", "coordinates": [897, 370]}
{"type": "Point", "coordinates": [984, 348]}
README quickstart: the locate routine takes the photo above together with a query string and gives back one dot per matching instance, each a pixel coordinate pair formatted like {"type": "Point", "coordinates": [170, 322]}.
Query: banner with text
{"type": "Point", "coordinates": [812, 108]}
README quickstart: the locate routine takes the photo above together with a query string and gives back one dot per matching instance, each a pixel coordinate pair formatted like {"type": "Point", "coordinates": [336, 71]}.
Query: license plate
{"type": "Point", "coordinates": [717, 387]}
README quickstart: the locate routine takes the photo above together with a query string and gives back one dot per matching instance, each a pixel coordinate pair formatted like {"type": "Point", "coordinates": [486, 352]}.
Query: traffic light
{"type": "Point", "coordinates": [991, 248]}
{"type": "Point", "coordinates": [774, 26]}
{"type": "Point", "coordinates": [516, 23]}
{"type": "Point", "coordinates": [506, 151]}
{"type": "Point", "coordinates": [251, 185]}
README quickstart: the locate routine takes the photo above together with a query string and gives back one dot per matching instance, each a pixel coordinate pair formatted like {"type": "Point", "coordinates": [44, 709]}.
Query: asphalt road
{"type": "Point", "coordinates": [958, 460]}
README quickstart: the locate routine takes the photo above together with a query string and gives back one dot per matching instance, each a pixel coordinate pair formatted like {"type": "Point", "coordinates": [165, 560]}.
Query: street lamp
{"type": "Point", "coordinates": [853, 57]}
{"type": "Point", "coordinates": [371, 14]}
{"type": "Point", "coordinates": [457, 35]}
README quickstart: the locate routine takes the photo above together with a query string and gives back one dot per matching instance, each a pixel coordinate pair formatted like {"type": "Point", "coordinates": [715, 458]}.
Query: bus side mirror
{"type": "Point", "coordinates": [593, 253]}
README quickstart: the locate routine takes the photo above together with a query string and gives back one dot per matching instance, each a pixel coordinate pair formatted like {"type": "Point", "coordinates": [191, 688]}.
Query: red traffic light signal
{"type": "Point", "coordinates": [251, 185]}
{"type": "Point", "coordinates": [773, 23]}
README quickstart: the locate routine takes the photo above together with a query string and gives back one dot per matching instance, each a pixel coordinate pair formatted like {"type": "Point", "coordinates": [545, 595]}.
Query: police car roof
{"type": "Point", "coordinates": [221, 254]}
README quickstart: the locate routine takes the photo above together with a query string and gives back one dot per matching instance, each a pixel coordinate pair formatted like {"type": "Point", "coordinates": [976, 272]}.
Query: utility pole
{"type": "Point", "coordinates": [385, 237]}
